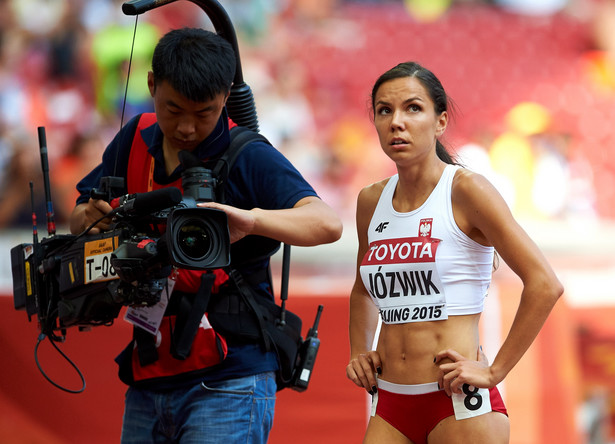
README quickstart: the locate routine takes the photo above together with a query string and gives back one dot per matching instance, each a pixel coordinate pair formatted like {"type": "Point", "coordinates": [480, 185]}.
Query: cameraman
{"type": "Point", "coordinates": [190, 400]}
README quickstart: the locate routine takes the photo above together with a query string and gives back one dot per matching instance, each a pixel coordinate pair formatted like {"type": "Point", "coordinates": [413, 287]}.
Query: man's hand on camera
{"type": "Point", "coordinates": [92, 211]}
{"type": "Point", "coordinates": [240, 222]}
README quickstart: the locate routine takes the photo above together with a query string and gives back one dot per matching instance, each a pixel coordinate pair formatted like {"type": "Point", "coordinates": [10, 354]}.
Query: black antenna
{"type": "Point", "coordinates": [284, 284]}
{"type": "Point", "coordinates": [42, 141]}
{"type": "Point", "coordinates": [34, 228]}
{"type": "Point", "coordinates": [31, 302]}
{"type": "Point", "coordinates": [313, 332]}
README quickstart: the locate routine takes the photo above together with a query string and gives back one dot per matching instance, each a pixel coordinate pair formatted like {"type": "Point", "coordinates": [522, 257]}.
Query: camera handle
{"type": "Point", "coordinates": [110, 186]}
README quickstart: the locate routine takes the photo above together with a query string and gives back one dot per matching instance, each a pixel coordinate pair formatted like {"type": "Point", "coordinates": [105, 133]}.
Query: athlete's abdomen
{"type": "Point", "coordinates": [408, 350]}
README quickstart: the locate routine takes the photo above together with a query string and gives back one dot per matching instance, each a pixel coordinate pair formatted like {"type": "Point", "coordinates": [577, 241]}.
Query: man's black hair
{"type": "Point", "coordinates": [198, 64]}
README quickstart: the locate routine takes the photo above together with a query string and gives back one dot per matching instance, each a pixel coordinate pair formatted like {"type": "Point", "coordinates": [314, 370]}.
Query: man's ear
{"type": "Point", "coordinates": [150, 83]}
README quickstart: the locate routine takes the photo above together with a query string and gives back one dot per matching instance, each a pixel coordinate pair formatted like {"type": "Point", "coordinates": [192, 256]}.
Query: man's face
{"type": "Point", "coordinates": [183, 122]}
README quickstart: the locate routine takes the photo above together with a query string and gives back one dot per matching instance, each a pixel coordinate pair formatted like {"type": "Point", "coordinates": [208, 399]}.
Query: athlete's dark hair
{"type": "Point", "coordinates": [433, 86]}
{"type": "Point", "coordinates": [198, 64]}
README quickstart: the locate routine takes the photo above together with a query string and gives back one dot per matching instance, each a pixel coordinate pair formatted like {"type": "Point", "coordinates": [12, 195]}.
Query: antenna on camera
{"type": "Point", "coordinates": [42, 141]}
{"type": "Point", "coordinates": [34, 228]}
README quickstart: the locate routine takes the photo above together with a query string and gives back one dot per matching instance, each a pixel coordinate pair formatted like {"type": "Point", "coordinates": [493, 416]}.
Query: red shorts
{"type": "Point", "coordinates": [415, 410]}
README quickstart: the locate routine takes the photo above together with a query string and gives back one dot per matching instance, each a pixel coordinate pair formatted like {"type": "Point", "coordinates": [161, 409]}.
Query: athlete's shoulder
{"type": "Point", "coordinates": [372, 192]}
{"type": "Point", "coordinates": [369, 196]}
{"type": "Point", "coordinates": [469, 185]}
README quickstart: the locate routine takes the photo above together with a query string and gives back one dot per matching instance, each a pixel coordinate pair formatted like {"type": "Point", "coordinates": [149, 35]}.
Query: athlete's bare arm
{"type": "Point", "coordinates": [364, 362]}
{"type": "Point", "coordinates": [481, 212]}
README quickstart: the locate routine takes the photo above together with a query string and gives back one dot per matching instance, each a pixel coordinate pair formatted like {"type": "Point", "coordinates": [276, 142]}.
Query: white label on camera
{"type": "Point", "coordinates": [97, 260]}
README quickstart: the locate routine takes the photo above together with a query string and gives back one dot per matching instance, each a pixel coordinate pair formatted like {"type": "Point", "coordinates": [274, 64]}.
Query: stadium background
{"type": "Point", "coordinates": [534, 88]}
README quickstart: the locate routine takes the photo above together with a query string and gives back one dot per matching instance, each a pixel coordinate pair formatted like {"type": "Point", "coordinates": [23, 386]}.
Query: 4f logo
{"type": "Point", "coordinates": [381, 226]}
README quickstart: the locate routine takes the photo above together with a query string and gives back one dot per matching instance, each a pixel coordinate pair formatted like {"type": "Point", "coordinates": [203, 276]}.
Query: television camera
{"type": "Point", "coordinates": [69, 280]}
{"type": "Point", "coordinates": [84, 280]}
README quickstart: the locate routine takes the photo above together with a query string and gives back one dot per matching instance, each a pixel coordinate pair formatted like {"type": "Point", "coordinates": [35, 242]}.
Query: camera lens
{"type": "Point", "coordinates": [194, 239]}
{"type": "Point", "coordinates": [197, 238]}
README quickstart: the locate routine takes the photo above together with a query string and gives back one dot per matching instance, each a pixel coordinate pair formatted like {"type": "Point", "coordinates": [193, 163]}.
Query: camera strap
{"type": "Point", "coordinates": [189, 316]}
{"type": "Point", "coordinates": [247, 294]}
{"type": "Point", "coordinates": [240, 138]}
{"type": "Point", "coordinates": [146, 346]}
{"type": "Point", "coordinates": [189, 311]}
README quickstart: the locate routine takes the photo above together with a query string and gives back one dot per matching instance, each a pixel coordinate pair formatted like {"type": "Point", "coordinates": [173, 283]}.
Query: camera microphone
{"type": "Point", "coordinates": [145, 203]}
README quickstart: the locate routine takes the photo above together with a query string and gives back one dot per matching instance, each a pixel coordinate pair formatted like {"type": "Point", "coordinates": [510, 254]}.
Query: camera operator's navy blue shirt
{"type": "Point", "coordinates": [261, 177]}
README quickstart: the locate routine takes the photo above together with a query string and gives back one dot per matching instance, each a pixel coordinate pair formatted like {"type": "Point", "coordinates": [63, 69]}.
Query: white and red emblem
{"type": "Point", "coordinates": [425, 227]}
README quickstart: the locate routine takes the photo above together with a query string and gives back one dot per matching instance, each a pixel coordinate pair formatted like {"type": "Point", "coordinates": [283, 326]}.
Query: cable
{"type": "Point", "coordinates": [82, 234]}
{"type": "Point", "coordinates": [41, 338]}
{"type": "Point", "coordinates": [132, 47]}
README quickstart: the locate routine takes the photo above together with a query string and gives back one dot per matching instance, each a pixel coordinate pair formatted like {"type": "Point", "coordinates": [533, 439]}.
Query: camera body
{"type": "Point", "coordinates": [84, 280]}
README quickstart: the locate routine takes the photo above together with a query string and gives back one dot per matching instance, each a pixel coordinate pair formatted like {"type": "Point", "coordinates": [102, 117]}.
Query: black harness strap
{"type": "Point", "coordinates": [240, 138]}
{"type": "Point", "coordinates": [189, 317]}
{"type": "Point", "coordinates": [246, 293]}
{"type": "Point", "coordinates": [146, 346]}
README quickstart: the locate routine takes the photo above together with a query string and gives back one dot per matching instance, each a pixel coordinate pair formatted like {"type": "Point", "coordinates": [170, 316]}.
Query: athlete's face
{"type": "Point", "coordinates": [405, 119]}
{"type": "Point", "coordinates": [183, 122]}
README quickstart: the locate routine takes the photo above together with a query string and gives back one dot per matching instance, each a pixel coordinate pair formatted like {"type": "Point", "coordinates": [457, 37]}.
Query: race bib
{"type": "Point", "coordinates": [402, 279]}
{"type": "Point", "coordinates": [374, 404]}
{"type": "Point", "coordinates": [472, 401]}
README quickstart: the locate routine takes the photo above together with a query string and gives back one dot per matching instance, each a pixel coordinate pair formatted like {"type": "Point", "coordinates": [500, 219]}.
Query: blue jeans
{"type": "Point", "coordinates": [232, 411]}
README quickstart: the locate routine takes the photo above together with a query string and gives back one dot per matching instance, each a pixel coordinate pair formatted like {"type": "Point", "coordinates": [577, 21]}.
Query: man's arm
{"type": "Point", "coordinates": [310, 222]}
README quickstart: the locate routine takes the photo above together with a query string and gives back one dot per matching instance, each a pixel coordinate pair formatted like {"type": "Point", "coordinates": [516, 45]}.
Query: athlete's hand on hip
{"type": "Point", "coordinates": [453, 375]}
{"type": "Point", "coordinates": [362, 370]}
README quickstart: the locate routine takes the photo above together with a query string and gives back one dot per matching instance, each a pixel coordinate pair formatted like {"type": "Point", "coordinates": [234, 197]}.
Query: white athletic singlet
{"type": "Point", "coordinates": [419, 265]}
